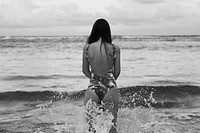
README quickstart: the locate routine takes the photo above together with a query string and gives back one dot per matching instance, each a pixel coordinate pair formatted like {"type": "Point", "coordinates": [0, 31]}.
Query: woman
{"type": "Point", "coordinates": [101, 64]}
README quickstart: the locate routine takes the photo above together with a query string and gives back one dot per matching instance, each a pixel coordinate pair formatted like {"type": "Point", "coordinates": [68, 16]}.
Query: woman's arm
{"type": "Point", "coordinates": [117, 65]}
{"type": "Point", "coordinates": [85, 64]}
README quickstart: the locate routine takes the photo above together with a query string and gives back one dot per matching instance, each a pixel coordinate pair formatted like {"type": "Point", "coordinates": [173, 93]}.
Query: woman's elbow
{"type": "Point", "coordinates": [84, 71]}
{"type": "Point", "coordinates": [117, 73]}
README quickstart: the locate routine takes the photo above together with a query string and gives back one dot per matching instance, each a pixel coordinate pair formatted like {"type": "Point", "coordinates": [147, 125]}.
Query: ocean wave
{"type": "Point", "coordinates": [40, 95]}
{"type": "Point", "coordinates": [7, 46]}
{"type": "Point", "coordinates": [125, 42]}
{"type": "Point", "coordinates": [146, 96]}
{"type": "Point", "coordinates": [169, 82]}
{"type": "Point", "coordinates": [14, 44]}
{"type": "Point", "coordinates": [159, 96]}
{"type": "Point", "coordinates": [155, 38]}
{"type": "Point", "coordinates": [36, 39]}
{"type": "Point", "coordinates": [38, 77]}
{"type": "Point", "coordinates": [156, 46]}
{"type": "Point", "coordinates": [168, 38]}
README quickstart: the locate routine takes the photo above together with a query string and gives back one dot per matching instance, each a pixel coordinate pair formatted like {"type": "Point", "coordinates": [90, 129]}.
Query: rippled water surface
{"type": "Point", "coordinates": [42, 86]}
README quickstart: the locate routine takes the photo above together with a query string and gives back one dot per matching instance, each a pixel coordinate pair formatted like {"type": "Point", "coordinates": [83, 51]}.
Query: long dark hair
{"type": "Point", "coordinates": [101, 29]}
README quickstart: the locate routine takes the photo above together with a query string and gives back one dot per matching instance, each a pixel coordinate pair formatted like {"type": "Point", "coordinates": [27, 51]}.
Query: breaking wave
{"type": "Point", "coordinates": [147, 96]}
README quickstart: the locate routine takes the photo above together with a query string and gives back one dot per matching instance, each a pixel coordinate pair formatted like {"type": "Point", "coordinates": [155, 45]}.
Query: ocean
{"type": "Point", "coordinates": [42, 85]}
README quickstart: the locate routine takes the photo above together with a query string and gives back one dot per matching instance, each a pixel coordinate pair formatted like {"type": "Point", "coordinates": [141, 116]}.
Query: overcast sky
{"type": "Point", "coordinates": [76, 17]}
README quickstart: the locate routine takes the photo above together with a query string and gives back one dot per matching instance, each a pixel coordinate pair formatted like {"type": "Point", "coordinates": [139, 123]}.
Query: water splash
{"type": "Point", "coordinates": [142, 120]}
{"type": "Point", "coordinates": [65, 112]}
{"type": "Point", "coordinates": [142, 97]}
{"type": "Point", "coordinates": [99, 120]}
{"type": "Point", "coordinates": [138, 114]}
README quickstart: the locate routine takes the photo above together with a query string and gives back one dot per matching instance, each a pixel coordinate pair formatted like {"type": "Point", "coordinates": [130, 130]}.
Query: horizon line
{"type": "Point", "coordinates": [112, 35]}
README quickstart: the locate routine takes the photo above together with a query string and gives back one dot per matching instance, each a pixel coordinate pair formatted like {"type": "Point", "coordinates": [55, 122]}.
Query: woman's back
{"type": "Point", "coordinates": [101, 57]}
{"type": "Point", "coordinates": [101, 64]}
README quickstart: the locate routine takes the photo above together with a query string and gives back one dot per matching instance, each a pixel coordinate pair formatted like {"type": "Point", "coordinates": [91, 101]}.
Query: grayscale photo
{"type": "Point", "coordinates": [99, 66]}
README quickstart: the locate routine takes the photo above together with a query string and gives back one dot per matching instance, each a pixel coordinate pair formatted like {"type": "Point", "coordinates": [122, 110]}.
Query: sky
{"type": "Point", "coordinates": [76, 17]}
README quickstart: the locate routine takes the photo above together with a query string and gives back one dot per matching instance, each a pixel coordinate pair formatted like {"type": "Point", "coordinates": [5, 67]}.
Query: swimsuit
{"type": "Point", "coordinates": [101, 84]}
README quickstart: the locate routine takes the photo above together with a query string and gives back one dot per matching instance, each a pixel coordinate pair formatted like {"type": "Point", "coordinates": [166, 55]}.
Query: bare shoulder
{"type": "Point", "coordinates": [85, 47]}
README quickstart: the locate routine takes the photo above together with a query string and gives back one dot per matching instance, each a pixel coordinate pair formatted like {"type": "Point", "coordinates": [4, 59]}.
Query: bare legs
{"type": "Point", "coordinates": [110, 100]}
{"type": "Point", "coordinates": [90, 95]}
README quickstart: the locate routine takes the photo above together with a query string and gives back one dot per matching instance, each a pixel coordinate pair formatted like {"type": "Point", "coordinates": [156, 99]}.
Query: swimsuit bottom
{"type": "Point", "coordinates": [101, 84]}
